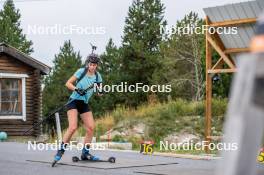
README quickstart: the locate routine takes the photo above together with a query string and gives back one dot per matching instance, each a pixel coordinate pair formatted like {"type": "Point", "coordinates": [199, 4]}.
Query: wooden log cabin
{"type": "Point", "coordinates": [20, 91]}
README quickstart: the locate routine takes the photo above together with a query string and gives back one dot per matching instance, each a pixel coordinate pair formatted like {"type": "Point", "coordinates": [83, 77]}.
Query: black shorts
{"type": "Point", "coordinates": [79, 105]}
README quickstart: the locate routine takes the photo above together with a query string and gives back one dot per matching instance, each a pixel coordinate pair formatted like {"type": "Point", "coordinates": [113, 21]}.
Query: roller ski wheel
{"type": "Point", "coordinates": [112, 159]}
{"type": "Point", "coordinates": [75, 159]}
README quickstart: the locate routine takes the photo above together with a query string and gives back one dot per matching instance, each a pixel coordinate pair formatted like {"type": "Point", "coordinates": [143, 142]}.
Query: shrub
{"type": "Point", "coordinates": [165, 118]}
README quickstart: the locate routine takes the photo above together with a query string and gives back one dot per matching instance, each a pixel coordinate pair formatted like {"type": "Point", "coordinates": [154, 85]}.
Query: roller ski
{"type": "Point", "coordinates": [91, 159]}
{"type": "Point", "coordinates": [87, 157]}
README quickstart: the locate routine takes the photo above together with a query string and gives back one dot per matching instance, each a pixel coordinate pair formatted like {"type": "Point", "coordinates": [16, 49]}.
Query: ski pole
{"type": "Point", "coordinates": [53, 113]}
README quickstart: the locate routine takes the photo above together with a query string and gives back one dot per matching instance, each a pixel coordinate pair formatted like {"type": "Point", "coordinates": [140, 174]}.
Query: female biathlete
{"type": "Point", "coordinates": [85, 77]}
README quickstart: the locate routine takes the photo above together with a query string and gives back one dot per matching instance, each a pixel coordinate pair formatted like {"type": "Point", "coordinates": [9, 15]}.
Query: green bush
{"type": "Point", "coordinates": [163, 119]}
{"type": "Point", "coordinates": [119, 114]}
{"type": "Point", "coordinates": [135, 142]}
{"type": "Point", "coordinates": [118, 138]}
{"type": "Point", "coordinates": [219, 107]}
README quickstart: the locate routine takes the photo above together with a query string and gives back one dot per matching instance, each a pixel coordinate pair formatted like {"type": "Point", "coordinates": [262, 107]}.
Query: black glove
{"type": "Point", "coordinates": [81, 92]}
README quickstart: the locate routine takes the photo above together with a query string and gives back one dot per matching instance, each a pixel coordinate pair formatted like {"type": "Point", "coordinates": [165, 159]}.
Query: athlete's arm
{"type": "Point", "coordinates": [70, 83]}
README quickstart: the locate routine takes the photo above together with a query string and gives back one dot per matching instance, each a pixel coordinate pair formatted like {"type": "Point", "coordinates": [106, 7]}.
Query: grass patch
{"type": "Point", "coordinates": [165, 118]}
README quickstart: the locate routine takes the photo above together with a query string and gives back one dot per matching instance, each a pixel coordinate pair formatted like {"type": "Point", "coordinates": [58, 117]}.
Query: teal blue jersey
{"type": "Point", "coordinates": [85, 82]}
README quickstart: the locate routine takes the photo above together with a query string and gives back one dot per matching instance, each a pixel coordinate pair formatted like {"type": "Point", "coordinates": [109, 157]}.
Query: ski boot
{"type": "Point", "coordinates": [59, 154]}
{"type": "Point", "coordinates": [87, 156]}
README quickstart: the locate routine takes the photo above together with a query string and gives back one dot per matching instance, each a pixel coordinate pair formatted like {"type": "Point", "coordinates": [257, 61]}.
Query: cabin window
{"type": "Point", "coordinates": [12, 96]}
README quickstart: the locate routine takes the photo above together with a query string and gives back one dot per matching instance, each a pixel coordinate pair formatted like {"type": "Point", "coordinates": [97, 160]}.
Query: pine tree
{"type": "Point", "coordinates": [141, 44]}
{"type": "Point", "coordinates": [182, 65]}
{"type": "Point", "coordinates": [55, 93]}
{"type": "Point", "coordinates": [10, 30]}
{"type": "Point", "coordinates": [109, 68]}
{"type": "Point", "coordinates": [111, 63]}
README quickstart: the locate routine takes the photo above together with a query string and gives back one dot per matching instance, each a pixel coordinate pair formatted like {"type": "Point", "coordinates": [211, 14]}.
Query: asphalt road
{"type": "Point", "coordinates": [16, 159]}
